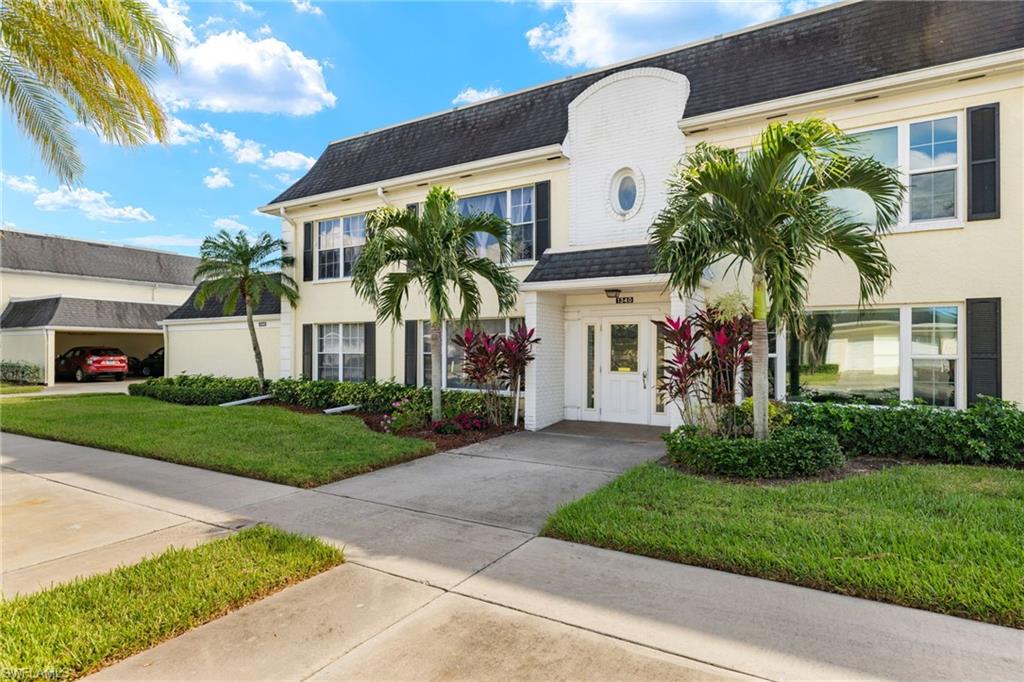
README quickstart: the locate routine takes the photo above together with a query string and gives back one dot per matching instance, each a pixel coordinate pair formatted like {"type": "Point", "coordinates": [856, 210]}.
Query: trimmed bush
{"type": "Point", "coordinates": [989, 432]}
{"type": "Point", "coordinates": [17, 372]}
{"type": "Point", "coordinates": [196, 389]}
{"type": "Point", "coordinates": [371, 396]}
{"type": "Point", "coordinates": [788, 453]}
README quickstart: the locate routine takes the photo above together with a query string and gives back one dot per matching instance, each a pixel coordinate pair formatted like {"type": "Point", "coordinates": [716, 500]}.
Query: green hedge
{"type": "Point", "coordinates": [21, 373]}
{"type": "Point", "coordinates": [989, 432]}
{"type": "Point", "coordinates": [371, 396]}
{"type": "Point", "coordinates": [789, 452]}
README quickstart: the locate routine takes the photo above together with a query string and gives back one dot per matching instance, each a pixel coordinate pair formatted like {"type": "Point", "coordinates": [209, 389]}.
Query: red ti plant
{"type": "Point", "coordinates": [484, 365]}
{"type": "Point", "coordinates": [517, 351]}
{"type": "Point", "coordinates": [706, 351]}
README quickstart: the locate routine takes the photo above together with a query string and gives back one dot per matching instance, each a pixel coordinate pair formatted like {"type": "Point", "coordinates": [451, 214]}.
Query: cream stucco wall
{"type": "Point", "coordinates": [971, 259]}
{"type": "Point", "coordinates": [336, 302]}
{"type": "Point", "coordinates": [221, 347]}
{"type": "Point", "coordinates": [23, 284]}
{"type": "Point", "coordinates": [25, 345]}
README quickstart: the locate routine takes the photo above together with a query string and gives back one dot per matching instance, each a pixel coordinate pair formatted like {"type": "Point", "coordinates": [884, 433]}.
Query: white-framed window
{"type": "Point", "coordinates": [339, 242]}
{"type": "Point", "coordinates": [515, 205]}
{"type": "Point", "coordinates": [341, 352]}
{"type": "Point", "coordinates": [878, 355]}
{"type": "Point", "coordinates": [452, 354]}
{"type": "Point", "coordinates": [930, 156]}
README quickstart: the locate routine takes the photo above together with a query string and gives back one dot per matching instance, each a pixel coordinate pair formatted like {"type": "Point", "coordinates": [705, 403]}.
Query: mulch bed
{"type": "Point", "coordinates": [855, 466]}
{"type": "Point", "coordinates": [374, 421]}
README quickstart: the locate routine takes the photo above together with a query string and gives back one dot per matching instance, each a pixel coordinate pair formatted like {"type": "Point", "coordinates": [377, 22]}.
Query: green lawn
{"type": "Point", "coordinates": [75, 628]}
{"type": "Point", "coordinates": [8, 389]}
{"type": "Point", "coordinates": [942, 538]}
{"type": "Point", "coordinates": [268, 443]}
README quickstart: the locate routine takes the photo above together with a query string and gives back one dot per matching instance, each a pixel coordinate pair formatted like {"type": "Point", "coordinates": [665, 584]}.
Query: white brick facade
{"type": "Point", "coordinates": [627, 120]}
{"type": "Point", "coordinates": [545, 388]}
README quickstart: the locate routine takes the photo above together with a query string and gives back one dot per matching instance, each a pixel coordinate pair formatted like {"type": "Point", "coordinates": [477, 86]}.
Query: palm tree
{"type": "Point", "coordinates": [94, 58]}
{"type": "Point", "coordinates": [233, 266]}
{"type": "Point", "coordinates": [435, 251]}
{"type": "Point", "coordinates": [769, 210]}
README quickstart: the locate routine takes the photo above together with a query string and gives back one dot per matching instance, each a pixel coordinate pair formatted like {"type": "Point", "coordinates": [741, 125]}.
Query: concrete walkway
{"type": "Point", "coordinates": [74, 388]}
{"type": "Point", "coordinates": [447, 580]}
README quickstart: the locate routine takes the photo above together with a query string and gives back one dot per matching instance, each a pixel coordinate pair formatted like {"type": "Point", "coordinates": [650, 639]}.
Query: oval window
{"type": "Point", "coordinates": [626, 193]}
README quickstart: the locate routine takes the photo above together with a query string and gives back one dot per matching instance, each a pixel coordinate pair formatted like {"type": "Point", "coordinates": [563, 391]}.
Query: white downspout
{"type": "Point", "coordinates": [383, 196]}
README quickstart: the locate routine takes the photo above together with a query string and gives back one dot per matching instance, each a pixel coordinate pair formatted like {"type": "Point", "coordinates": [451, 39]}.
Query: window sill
{"type": "Point", "coordinates": [332, 280]}
{"type": "Point", "coordinates": [930, 226]}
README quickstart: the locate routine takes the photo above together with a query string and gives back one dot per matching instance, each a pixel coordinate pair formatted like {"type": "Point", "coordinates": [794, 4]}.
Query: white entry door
{"type": "Point", "coordinates": [625, 371]}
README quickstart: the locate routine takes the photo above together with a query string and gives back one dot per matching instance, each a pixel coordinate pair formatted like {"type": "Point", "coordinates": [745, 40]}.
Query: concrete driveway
{"type": "Point", "coordinates": [446, 578]}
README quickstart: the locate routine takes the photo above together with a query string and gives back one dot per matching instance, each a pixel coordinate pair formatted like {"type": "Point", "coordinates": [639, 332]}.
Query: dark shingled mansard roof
{"type": "Point", "coordinates": [48, 253]}
{"type": "Point", "coordinates": [268, 305]}
{"type": "Point", "coordinates": [621, 261]}
{"type": "Point", "coordinates": [839, 46]}
{"type": "Point", "coordinates": [64, 311]}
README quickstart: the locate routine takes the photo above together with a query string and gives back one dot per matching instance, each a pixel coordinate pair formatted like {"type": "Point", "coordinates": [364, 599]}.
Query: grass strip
{"type": "Point", "coordinates": [75, 628]}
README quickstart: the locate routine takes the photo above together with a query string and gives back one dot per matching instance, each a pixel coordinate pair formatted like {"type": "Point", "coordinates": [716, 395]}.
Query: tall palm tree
{"type": "Point", "coordinates": [94, 58]}
{"type": "Point", "coordinates": [769, 211]}
{"type": "Point", "coordinates": [435, 251]}
{"type": "Point", "coordinates": [233, 267]}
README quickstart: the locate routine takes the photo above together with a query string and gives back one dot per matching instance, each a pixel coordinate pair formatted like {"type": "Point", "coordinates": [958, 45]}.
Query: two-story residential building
{"type": "Point", "coordinates": [579, 167]}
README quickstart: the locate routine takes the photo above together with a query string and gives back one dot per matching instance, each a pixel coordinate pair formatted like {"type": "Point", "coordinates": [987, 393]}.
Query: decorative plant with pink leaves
{"type": "Point", "coordinates": [517, 351]}
{"type": "Point", "coordinates": [495, 363]}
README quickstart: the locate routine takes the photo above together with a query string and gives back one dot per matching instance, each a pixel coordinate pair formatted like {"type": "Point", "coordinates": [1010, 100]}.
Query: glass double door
{"type": "Point", "coordinates": [623, 370]}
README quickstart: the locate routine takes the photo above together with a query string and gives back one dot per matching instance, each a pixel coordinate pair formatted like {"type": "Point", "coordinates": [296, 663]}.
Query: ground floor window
{"type": "Point", "coordinates": [453, 355]}
{"type": "Point", "coordinates": [341, 352]}
{"type": "Point", "coordinates": [878, 355]}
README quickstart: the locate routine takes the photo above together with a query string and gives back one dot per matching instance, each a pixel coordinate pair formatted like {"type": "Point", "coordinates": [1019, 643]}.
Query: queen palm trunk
{"type": "Point", "coordinates": [435, 372]}
{"type": "Point", "coordinates": [759, 357]}
{"type": "Point", "coordinates": [255, 342]}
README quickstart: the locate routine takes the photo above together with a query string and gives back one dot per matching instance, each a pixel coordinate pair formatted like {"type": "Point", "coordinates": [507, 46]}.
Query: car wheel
{"type": "Point", "coordinates": [79, 375]}
{"type": "Point", "coordinates": [146, 371]}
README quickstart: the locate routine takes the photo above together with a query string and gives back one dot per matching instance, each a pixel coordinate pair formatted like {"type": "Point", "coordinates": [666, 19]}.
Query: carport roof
{"type": "Point", "coordinates": [63, 311]}
{"type": "Point", "coordinates": [214, 308]}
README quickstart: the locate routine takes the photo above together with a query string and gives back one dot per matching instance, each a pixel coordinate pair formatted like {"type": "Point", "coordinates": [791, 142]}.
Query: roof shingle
{"type": "Point", "coordinates": [64, 311]}
{"type": "Point", "coordinates": [621, 261]}
{"type": "Point", "coordinates": [214, 308]}
{"type": "Point", "coordinates": [847, 44]}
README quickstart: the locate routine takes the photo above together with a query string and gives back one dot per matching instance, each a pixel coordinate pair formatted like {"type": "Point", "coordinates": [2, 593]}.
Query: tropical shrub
{"type": "Point", "coordinates": [446, 427]}
{"type": "Point", "coordinates": [469, 421]}
{"type": "Point", "coordinates": [17, 372]}
{"type": "Point", "coordinates": [739, 419]}
{"type": "Point", "coordinates": [989, 432]}
{"type": "Point", "coordinates": [406, 414]}
{"type": "Point", "coordinates": [787, 453]}
{"type": "Point", "coordinates": [496, 363]}
{"type": "Point", "coordinates": [196, 389]}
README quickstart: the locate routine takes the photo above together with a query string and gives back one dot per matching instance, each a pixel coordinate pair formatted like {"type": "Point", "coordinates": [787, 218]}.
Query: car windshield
{"type": "Point", "coordinates": [101, 352]}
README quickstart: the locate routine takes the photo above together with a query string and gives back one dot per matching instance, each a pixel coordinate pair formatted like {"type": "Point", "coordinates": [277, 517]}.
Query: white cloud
{"type": "Point", "coordinates": [243, 151]}
{"type": "Point", "coordinates": [242, 7]}
{"type": "Point", "coordinates": [470, 95]}
{"type": "Point", "coordinates": [596, 34]}
{"type": "Point", "coordinates": [231, 72]}
{"type": "Point", "coordinates": [19, 183]}
{"type": "Point", "coordinates": [92, 204]}
{"type": "Point", "coordinates": [265, 30]}
{"type": "Point", "coordinates": [217, 179]}
{"type": "Point", "coordinates": [307, 7]}
{"type": "Point", "coordinates": [164, 240]}
{"type": "Point", "coordinates": [285, 179]}
{"type": "Point", "coordinates": [288, 161]}
{"type": "Point", "coordinates": [229, 224]}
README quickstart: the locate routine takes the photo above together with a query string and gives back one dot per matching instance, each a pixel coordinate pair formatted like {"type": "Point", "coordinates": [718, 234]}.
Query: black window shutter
{"type": "Point", "coordinates": [307, 252]}
{"type": "Point", "coordinates": [983, 162]}
{"type": "Point", "coordinates": [410, 352]}
{"type": "Point", "coordinates": [542, 215]}
{"type": "Point", "coordinates": [984, 348]}
{"type": "Point", "coordinates": [369, 350]}
{"type": "Point", "coordinates": [307, 351]}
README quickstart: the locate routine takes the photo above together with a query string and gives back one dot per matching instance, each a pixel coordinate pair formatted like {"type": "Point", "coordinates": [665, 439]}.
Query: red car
{"type": "Point", "coordinates": [85, 363]}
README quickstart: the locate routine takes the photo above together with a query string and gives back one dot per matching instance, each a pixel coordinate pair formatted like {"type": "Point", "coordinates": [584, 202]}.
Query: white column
{"type": "Point", "coordinates": [545, 376]}
{"type": "Point", "coordinates": [286, 334]}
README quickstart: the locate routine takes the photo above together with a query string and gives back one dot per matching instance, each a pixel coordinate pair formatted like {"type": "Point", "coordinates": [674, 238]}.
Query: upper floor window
{"type": "Point", "coordinates": [927, 154]}
{"type": "Point", "coordinates": [515, 205]}
{"type": "Point", "coordinates": [339, 242]}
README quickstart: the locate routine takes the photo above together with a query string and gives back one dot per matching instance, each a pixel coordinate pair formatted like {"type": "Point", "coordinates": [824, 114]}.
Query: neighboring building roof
{"type": "Point", "coordinates": [49, 253]}
{"type": "Point", "coordinates": [64, 311]}
{"type": "Point", "coordinates": [823, 49]}
{"type": "Point", "coordinates": [214, 308]}
{"type": "Point", "coordinates": [622, 261]}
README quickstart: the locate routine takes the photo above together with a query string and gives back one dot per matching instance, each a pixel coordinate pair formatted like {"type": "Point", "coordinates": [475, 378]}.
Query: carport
{"type": "Point", "coordinates": [37, 330]}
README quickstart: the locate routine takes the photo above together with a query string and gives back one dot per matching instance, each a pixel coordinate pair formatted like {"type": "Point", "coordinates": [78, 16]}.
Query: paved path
{"type": "Point", "coordinates": [74, 388]}
{"type": "Point", "coordinates": [447, 580]}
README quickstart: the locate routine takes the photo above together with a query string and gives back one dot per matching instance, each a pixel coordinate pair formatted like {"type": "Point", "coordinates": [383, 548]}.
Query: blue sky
{"type": "Point", "coordinates": [264, 86]}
